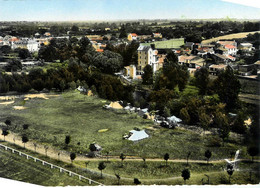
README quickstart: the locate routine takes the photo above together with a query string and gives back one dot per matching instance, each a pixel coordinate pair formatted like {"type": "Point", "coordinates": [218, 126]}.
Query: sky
{"type": "Point", "coordinates": [98, 10]}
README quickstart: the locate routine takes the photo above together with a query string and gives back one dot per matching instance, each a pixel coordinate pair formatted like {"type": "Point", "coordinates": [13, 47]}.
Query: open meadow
{"type": "Point", "coordinates": [52, 117]}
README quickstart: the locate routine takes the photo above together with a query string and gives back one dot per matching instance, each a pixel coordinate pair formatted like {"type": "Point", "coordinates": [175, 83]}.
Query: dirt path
{"type": "Point", "coordinates": [64, 155]}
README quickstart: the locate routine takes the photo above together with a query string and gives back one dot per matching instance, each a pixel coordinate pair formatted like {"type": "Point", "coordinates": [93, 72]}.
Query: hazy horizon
{"type": "Point", "coordinates": [115, 10]}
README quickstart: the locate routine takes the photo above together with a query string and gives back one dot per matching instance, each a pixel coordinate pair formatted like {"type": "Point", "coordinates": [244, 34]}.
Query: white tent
{"type": "Point", "coordinates": [138, 135]}
{"type": "Point", "coordinates": [173, 119]}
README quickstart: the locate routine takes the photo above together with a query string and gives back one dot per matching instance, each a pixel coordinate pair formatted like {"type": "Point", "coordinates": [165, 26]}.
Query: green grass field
{"type": "Point", "coordinates": [13, 166]}
{"type": "Point", "coordinates": [173, 43]}
{"type": "Point", "coordinates": [81, 117]}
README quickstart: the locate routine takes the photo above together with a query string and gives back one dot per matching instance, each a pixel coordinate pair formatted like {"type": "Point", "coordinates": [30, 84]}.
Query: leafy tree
{"type": "Point", "coordinates": [148, 75]}
{"type": "Point", "coordinates": [5, 133]}
{"type": "Point", "coordinates": [25, 139]}
{"type": "Point", "coordinates": [202, 80]}
{"type": "Point", "coordinates": [8, 122]}
{"type": "Point", "coordinates": [101, 166]}
{"type": "Point", "coordinates": [67, 140]}
{"type": "Point", "coordinates": [136, 181]}
{"type": "Point", "coordinates": [185, 174]}
{"type": "Point", "coordinates": [118, 178]}
{"type": "Point", "coordinates": [185, 115]}
{"type": "Point", "coordinates": [166, 157]}
{"type": "Point", "coordinates": [122, 157]}
{"type": "Point", "coordinates": [24, 53]}
{"type": "Point", "coordinates": [13, 65]}
{"type": "Point", "coordinates": [253, 151]}
{"type": "Point", "coordinates": [172, 75]}
{"type": "Point", "coordinates": [208, 155]}
{"type": "Point", "coordinates": [230, 170]}
{"type": "Point", "coordinates": [222, 123]}
{"type": "Point", "coordinates": [204, 120]}
{"type": "Point", "coordinates": [72, 157]}
{"type": "Point", "coordinates": [227, 87]}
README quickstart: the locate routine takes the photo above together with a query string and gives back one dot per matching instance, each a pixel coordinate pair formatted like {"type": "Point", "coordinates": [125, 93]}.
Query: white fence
{"type": "Point", "coordinates": [70, 173]}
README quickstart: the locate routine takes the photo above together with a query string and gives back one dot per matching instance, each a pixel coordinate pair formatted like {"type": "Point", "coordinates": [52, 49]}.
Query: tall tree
{"type": "Point", "coordinates": [5, 132]}
{"type": "Point", "coordinates": [67, 140]}
{"type": "Point", "coordinates": [230, 170]}
{"type": "Point", "coordinates": [208, 155]}
{"type": "Point", "coordinates": [223, 126]}
{"type": "Point", "coordinates": [72, 157]}
{"type": "Point", "coordinates": [24, 139]}
{"type": "Point", "coordinates": [148, 75]}
{"type": "Point", "coordinates": [122, 157]}
{"type": "Point", "coordinates": [227, 87]}
{"type": "Point", "coordinates": [202, 80]}
{"type": "Point", "coordinates": [166, 157]}
{"type": "Point", "coordinates": [101, 166]}
{"type": "Point", "coordinates": [185, 174]}
{"type": "Point", "coordinates": [253, 151]}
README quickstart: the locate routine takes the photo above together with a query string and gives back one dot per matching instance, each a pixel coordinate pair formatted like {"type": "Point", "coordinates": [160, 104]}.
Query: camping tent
{"type": "Point", "coordinates": [173, 119]}
{"type": "Point", "coordinates": [138, 135]}
{"type": "Point", "coordinates": [115, 105]}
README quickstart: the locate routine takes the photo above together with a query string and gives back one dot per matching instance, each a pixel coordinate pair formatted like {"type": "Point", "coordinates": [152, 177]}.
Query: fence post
{"type": "Point", "coordinates": [5, 147]}
{"type": "Point", "coordinates": [60, 169]}
{"type": "Point", "coordinates": [79, 177]}
{"type": "Point", "coordinates": [20, 153]}
{"type": "Point", "coordinates": [69, 173]}
{"type": "Point", "coordinates": [43, 163]}
{"type": "Point", "coordinates": [89, 181]}
{"type": "Point", "coordinates": [27, 157]}
{"type": "Point", "coordinates": [51, 166]}
{"type": "Point", "coordinates": [13, 150]}
{"type": "Point", "coordinates": [34, 159]}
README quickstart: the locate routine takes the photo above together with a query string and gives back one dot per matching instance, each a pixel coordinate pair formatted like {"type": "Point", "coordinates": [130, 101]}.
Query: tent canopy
{"type": "Point", "coordinates": [138, 135]}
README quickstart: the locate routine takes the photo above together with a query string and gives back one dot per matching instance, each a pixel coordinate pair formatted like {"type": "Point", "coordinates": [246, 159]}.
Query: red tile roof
{"type": "Point", "coordinates": [229, 46]}
{"type": "Point", "coordinates": [134, 34]}
{"type": "Point", "coordinates": [100, 50]}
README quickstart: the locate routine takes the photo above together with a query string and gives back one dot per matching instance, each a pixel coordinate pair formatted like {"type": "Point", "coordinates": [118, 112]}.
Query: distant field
{"type": "Point", "coordinates": [81, 117]}
{"type": "Point", "coordinates": [173, 43]}
{"type": "Point", "coordinates": [230, 36]}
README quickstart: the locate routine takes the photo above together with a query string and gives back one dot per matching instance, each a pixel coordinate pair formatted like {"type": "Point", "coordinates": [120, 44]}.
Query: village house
{"type": "Point", "coordinates": [147, 55]}
{"type": "Point", "coordinates": [157, 35]}
{"type": "Point", "coordinates": [214, 69]}
{"type": "Point", "coordinates": [25, 43]}
{"type": "Point", "coordinates": [248, 47]}
{"type": "Point", "coordinates": [192, 62]}
{"type": "Point", "coordinates": [257, 65]}
{"type": "Point", "coordinates": [130, 71]}
{"type": "Point", "coordinates": [246, 70]}
{"type": "Point", "coordinates": [132, 36]}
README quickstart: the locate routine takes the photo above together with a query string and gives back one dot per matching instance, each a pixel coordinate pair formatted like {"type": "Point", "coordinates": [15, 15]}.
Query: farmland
{"type": "Point", "coordinates": [228, 37]}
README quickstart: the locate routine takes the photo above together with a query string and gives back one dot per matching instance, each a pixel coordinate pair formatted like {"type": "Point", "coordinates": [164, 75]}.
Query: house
{"type": "Point", "coordinates": [248, 47]}
{"type": "Point", "coordinates": [219, 58]}
{"type": "Point", "coordinates": [228, 42]}
{"type": "Point", "coordinates": [157, 35]}
{"type": "Point", "coordinates": [231, 49]}
{"type": "Point", "coordinates": [95, 37]}
{"type": "Point", "coordinates": [30, 44]}
{"type": "Point", "coordinates": [147, 55]}
{"type": "Point", "coordinates": [192, 62]}
{"type": "Point", "coordinates": [188, 45]}
{"type": "Point", "coordinates": [132, 36]}
{"type": "Point", "coordinates": [246, 69]}
{"type": "Point", "coordinates": [214, 69]}
{"type": "Point", "coordinates": [130, 71]}
{"type": "Point", "coordinates": [47, 34]}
